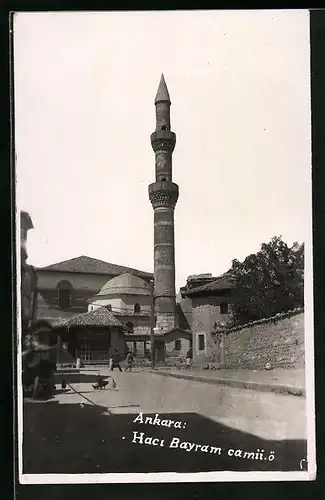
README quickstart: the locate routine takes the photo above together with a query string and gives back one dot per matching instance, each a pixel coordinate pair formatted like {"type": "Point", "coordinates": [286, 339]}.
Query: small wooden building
{"type": "Point", "coordinates": [92, 336]}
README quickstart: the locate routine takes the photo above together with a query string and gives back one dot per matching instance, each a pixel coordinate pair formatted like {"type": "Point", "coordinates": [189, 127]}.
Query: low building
{"type": "Point", "coordinates": [92, 336]}
{"type": "Point", "coordinates": [211, 306]}
{"type": "Point", "coordinates": [172, 344]}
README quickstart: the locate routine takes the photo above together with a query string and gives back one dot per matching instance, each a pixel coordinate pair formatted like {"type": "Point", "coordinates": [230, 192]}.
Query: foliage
{"type": "Point", "coordinates": [268, 282]}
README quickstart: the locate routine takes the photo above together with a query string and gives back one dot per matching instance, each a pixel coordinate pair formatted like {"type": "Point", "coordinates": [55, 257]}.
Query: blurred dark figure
{"type": "Point", "coordinates": [129, 361]}
{"type": "Point", "coordinates": [116, 360]}
{"type": "Point", "coordinates": [38, 362]}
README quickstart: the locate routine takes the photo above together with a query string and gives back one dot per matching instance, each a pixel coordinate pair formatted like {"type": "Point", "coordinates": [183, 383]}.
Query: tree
{"type": "Point", "coordinates": [268, 282]}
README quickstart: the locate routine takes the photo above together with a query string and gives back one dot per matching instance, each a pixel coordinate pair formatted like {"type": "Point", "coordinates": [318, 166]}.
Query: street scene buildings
{"type": "Point", "coordinates": [136, 373]}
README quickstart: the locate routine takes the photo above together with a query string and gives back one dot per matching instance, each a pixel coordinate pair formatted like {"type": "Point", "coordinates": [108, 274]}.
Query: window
{"type": "Point", "coordinates": [224, 308]}
{"type": "Point", "coordinates": [178, 345]}
{"type": "Point", "coordinates": [163, 127]}
{"type": "Point", "coordinates": [201, 342]}
{"type": "Point", "coordinates": [64, 294]}
{"type": "Point", "coordinates": [137, 308]}
{"type": "Point", "coordinates": [64, 299]}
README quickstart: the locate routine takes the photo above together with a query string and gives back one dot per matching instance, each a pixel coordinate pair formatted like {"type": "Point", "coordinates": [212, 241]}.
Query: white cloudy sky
{"type": "Point", "coordinates": [84, 95]}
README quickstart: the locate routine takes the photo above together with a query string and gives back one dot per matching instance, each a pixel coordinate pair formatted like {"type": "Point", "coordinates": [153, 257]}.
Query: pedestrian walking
{"type": "Point", "coordinates": [129, 361]}
{"type": "Point", "coordinates": [189, 357]}
{"type": "Point", "coordinates": [116, 360]}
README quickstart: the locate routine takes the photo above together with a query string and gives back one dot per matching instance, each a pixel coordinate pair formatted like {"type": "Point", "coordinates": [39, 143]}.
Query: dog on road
{"type": "Point", "coordinates": [100, 383]}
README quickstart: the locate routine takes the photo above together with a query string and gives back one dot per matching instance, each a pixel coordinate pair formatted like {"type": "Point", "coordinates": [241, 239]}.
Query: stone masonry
{"type": "Point", "coordinates": [279, 341]}
{"type": "Point", "coordinates": [163, 195]}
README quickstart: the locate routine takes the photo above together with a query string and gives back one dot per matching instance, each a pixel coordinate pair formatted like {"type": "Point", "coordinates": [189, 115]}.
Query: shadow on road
{"type": "Point", "coordinates": [68, 439]}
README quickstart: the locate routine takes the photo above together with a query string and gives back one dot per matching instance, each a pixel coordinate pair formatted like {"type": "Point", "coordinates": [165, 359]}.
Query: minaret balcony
{"type": "Point", "coordinates": [163, 194]}
{"type": "Point", "coordinates": [163, 140]}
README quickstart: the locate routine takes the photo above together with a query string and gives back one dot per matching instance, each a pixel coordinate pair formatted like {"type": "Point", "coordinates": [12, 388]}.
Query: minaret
{"type": "Point", "coordinates": [163, 195]}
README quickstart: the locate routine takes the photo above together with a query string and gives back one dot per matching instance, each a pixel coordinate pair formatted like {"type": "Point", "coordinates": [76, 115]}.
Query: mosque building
{"type": "Point", "coordinates": [98, 306]}
{"type": "Point", "coordinates": [129, 298]}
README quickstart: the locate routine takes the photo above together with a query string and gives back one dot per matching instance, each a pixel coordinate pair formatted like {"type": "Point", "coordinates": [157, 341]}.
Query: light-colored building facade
{"type": "Point", "coordinates": [211, 299]}
{"type": "Point", "coordinates": [92, 336]}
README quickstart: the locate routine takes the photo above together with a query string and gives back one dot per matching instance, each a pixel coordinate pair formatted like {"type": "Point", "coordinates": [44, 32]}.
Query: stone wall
{"type": "Point", "coordinates": [278, 341]}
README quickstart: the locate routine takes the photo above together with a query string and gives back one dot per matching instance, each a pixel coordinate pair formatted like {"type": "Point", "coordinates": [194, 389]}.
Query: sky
{"type": "Point", "coordinates": [85, 85]}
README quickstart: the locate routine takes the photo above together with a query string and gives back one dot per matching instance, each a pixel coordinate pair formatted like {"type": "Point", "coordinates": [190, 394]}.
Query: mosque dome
{"type": "Point", "coordinates": [127, 284]}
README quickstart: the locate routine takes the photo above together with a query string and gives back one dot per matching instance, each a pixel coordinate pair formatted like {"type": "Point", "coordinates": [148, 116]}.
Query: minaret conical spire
{"type": "Point", "coordinates": [162, 92]}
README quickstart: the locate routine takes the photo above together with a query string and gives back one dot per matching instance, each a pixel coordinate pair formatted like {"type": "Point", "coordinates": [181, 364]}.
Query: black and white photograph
{"type": "Point", "coordinates": [164, 276]}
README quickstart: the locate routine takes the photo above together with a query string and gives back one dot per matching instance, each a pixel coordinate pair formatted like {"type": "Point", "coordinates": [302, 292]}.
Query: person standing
{"type": "Point", "coordinates": [116, 360]}
{"type": "Point", "coordinates": [129, 361]}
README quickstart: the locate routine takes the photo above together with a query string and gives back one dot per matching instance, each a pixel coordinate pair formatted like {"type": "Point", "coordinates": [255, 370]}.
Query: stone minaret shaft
{"type": "Point", "coordinates": [163, 195]}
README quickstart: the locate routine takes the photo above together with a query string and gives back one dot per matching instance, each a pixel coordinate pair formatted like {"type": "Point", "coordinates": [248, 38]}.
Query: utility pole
{"type": "Point", "coordinates": [152, 328]}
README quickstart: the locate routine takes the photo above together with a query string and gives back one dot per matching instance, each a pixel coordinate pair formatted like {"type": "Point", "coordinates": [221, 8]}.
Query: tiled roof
{"type": "Point", "coordinates": [99, 317]}
{"type": "Point", "coordinates": [85, 264]}
{"type": "Point", "coordinates": [224, 282]}
{"type": "Point", "coordinates": [187, 332]}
